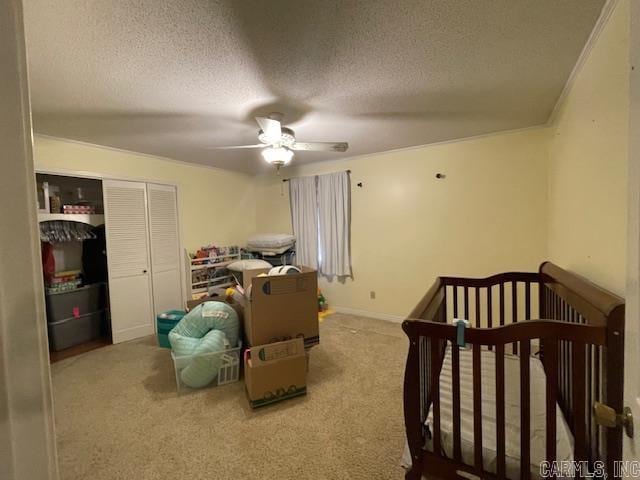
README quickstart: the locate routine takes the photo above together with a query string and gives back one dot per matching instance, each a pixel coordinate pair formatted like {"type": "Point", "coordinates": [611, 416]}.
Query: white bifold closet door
{"type": "Point", "coordinates": [165, 247]}
{"type": "Point", "coordinates": [128, 259]}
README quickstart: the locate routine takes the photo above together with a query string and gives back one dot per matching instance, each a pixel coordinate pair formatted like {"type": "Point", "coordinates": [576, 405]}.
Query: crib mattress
{"type": "Point", "coordinates": [564, 439]}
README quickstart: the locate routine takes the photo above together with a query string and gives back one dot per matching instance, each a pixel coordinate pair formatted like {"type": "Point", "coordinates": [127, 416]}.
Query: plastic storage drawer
{"type": "Point", "coordinates": [81, 301]}
{"type": "Point", "coordinates": [76, 330]}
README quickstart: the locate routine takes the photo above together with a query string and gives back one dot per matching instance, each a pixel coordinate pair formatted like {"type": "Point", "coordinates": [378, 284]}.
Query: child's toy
{"type": "Point", "coordinates": [322, 302]}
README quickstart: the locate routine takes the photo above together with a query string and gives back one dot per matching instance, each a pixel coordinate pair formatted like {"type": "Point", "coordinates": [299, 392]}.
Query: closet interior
{"type": "Point", "coordinates": [74, 261]}
{"type": "Point", "coordinates": [111, 259]}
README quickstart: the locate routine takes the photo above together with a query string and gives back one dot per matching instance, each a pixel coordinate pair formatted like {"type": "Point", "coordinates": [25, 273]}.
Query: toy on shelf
{"type": "Point", "coordinates": [208, 269]}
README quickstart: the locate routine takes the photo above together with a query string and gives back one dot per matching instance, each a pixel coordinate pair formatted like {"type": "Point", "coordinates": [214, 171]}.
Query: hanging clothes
{"type": "Point", "coordinates": [57, 231]}
{"type": "Point", "coordinates": [94, 257]}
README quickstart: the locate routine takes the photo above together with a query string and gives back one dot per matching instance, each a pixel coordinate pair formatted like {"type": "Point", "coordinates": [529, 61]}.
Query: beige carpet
{"type": "Point", "coordinates": [118, 415]}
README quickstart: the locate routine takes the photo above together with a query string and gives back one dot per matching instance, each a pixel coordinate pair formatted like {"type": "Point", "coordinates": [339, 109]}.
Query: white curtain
{"type": "Point", "coordinates": [304, 217]}
{"type": "Point", "coordinates": [334, 210]}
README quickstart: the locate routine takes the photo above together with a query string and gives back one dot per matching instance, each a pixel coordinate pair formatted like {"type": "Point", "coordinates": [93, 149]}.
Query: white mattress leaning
{"type": "Point", "coordinates": [271, 240]}
{"type": "Point", "coordinates": [564, 439]}
{"type": "Point", "coordinates": [270, 251]}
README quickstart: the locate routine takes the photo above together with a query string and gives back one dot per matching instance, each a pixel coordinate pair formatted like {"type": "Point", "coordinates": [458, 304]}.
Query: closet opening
{"type": "Point", "coordinates": [74, 264]}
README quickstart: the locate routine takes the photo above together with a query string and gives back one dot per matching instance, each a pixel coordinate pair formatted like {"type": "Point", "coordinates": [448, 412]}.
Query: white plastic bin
{"type": "Point", "coordinates": [228, 370]}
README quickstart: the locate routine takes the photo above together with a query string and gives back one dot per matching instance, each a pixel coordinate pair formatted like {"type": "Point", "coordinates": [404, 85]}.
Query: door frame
{"type": "Point", "coordinates": [27, 429]}
{"type": "Point", "coordinates": [103, 176]}
{"type": "Point", "coordinates": [632, 329]}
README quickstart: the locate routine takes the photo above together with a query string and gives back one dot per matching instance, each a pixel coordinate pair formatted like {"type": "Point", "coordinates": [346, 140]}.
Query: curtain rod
{"type": "Point", "coordinates": [287, 179]}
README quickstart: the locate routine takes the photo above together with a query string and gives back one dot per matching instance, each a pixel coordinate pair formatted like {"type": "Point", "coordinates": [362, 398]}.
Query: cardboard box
{"type": "Point", "coordinates": [281, 307]}
{"type": "Point", "coordinates": [283, 376]}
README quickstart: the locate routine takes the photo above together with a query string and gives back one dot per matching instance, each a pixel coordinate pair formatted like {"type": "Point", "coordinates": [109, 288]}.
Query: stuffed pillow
{"type": "Point", "coordinates": [211, 327]}
{"type": "Point", "coordinates": [250, 264]}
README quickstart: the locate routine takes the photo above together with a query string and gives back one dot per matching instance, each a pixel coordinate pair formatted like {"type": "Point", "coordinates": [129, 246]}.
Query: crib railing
{"type": "Point", "coordinates": [428, 341]}
{"type": "Point", "coordinates": [592, 367]}
{"type": "Point", "coordinates": [572, 299]}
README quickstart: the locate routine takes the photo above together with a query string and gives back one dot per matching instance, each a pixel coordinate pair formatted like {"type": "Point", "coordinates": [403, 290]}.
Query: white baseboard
{"type": "Point", "coordinates": [364, 313]}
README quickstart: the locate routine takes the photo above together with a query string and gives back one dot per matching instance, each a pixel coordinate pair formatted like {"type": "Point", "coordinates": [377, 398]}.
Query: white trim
{"type": "Point", "coordinates": [134, 333]}
{"type": "Point", "coordinates": [631, 450]}
{"type": "Point", "coordinates": [89, 174]}
{"type": "Point", "coordinates": [605, 14]}
{"type": "Point", "coordinates": [365, 313]}
{"type": "Point", "coordinates": [69, 172]}
{"type": "Point", "coordinates": [292, 168]}
{"type": "Point", "coordinates": [142, 154]}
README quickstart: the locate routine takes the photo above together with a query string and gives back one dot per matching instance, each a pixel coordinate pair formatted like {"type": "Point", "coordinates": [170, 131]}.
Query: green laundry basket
{"type": "Point", "coordinates": [165, 322]}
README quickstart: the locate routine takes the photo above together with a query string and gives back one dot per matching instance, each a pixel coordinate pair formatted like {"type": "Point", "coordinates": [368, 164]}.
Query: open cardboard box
{"type": "Point", "coordinates": [281, 307]}
{"type": "Point", "coordinates": [275, 372]}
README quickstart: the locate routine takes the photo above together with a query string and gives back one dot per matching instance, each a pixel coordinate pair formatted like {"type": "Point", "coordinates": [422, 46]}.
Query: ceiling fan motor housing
{"type": "Point", "coordinates": [287, 138]}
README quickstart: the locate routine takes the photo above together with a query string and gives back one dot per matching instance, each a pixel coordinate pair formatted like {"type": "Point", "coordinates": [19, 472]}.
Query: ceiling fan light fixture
{"type": "Point", "coordinates": [277, 156]}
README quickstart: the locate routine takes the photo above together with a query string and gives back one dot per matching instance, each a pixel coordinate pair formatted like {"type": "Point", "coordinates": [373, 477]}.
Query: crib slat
{"type": "Point", "coordinates": [489, 307]}
{"type": "Point", "coordinates": [514, 310]}
{"type": "Point", "coordinates": [542, 300]}
{"type": "Point", "coordinates": [578, 391]}
{"type": "Point", "coordinates": [501, 304]}
{"type": "Point", "coordinates": [550, 349]}
{"type": "Point", "coordinates": [455, 387]}
{"type": "Point", "coordinates": [478, 325]}
{"type": "Point", "coordinates": [525, 416]}
{"type": "Point", "coordinates": [466, 302]}
{"type": "Point", "coordinates": [435, 393]}
{"type": "Point", "coordinates": [527, 300]}
{"type": "Point", "coordinates": [514, 302]}
{"type": "Point", "coordinates": [455, 301]}
{"type": "Point", "coordinates": [500, 415]}
{"type": "Point", "coordinates": [477, 408]}
{"type": "Point", "coordinates": [500, 429]}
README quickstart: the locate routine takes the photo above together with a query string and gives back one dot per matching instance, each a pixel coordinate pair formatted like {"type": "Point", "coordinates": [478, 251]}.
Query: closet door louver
{"type": "Point", "coordinates": [128, 259]}
{"type": "Point", "coordinates": [165, 247]}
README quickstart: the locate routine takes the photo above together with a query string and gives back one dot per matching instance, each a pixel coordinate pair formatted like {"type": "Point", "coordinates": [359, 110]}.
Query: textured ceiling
{"type": "Point", "coordinates": [171, 78]}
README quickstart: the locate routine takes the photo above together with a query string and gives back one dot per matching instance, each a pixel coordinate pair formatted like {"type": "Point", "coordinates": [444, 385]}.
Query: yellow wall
{"type": "Point", "coordinates": [487, 215]}
{"type": "Point", "coordinates": [588, 162]}
{"type": "Point", "coordinates": [216, 206]}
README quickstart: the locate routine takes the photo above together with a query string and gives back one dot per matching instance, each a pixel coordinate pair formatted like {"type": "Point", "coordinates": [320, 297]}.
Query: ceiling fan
{"type": "Point", "coordinates": [279, 142]}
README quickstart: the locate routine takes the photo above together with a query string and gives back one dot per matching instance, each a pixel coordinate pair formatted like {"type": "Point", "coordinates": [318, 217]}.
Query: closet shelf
{"type": "Point", "coordinates": [92, 219]}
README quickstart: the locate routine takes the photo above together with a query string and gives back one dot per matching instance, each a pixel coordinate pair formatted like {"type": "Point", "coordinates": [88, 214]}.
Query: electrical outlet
{"type": "Point", "coordinates": [372, 295]}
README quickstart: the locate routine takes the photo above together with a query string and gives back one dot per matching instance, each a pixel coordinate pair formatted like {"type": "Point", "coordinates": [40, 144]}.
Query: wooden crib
{"type": "Point", "coordinates": [578, 334]}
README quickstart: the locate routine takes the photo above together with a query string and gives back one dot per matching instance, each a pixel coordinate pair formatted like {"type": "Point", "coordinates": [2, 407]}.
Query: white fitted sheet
{"type": "Point", "coordinates": [564, 439]}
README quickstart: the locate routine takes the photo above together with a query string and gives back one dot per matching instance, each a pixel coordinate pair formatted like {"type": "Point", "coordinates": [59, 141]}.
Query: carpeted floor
{"type": "Point", "coordinates": [118, 415]}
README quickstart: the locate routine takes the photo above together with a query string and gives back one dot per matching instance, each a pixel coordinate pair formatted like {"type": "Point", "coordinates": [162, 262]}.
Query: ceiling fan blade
{"type": "Point", "coordinates": [235, 147]}
{"type": "Point", "coordinates": [321, 146]}
{"type": "Point", "coordinates": [271, 128]}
